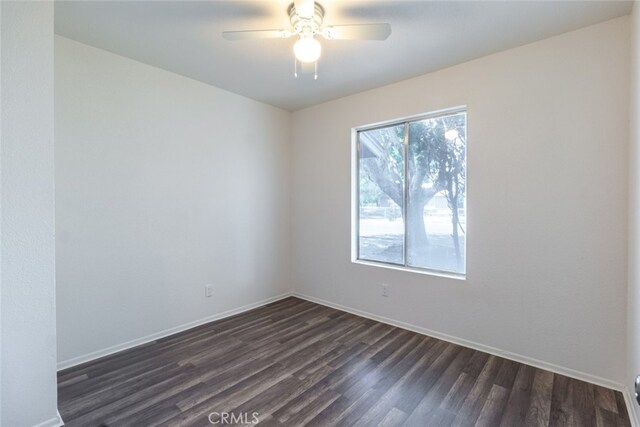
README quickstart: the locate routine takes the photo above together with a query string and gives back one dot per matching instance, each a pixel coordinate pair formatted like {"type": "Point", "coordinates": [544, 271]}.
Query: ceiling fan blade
{"type": "Point", "coordinates": [256, 34]}
{"type": "Point", "coordinates": [304, 8]}
{"type": "Point", "coordinates": [357, 32]}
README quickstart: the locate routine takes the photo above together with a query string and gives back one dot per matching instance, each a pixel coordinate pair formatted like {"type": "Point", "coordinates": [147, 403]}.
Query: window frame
{"type": "Point", "coordinates": [355, 193]}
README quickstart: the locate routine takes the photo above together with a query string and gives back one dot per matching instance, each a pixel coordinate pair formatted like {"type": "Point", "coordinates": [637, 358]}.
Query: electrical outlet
{"type": "Point", "coordinates": [384, 290]}
{"type": "Point", "coordinates": [208, 291]}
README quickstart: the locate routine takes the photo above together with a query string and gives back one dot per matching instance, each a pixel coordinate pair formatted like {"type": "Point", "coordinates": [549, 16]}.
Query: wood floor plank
{"type": "Point", "coordinates": [440, 417]}
{"type": "Point", "coordinates": [361, 405]}
{"type": "Point", "coordinates": [584, 408]}
{"type": "Point", "coordinates": [330, 415]}
{"type": "Point", "coordinates": [518, 402]}
{"type": "Point", "coordinates": [151, 411]}
{"type": "Point", "coordinates": [507, 374]}
{"type": "Point", "coordinates": [398, 369]}
{"type": "Point", "coordinates": [272, 398]}
{"type": "Point", "coordinates": [493, 407]}
{"type": "Point", "coordinates": [606, 399]}
{"type": "Point", "coordinates": [293, 363]}
{"type": "Point", "coordinates": [457, 394]}
{"type": "Point", "coordinates": [394, 391]}
{"type": "Point", "coordinates": [441, 356]}
{"type": "Point", "coordinates": [310, 410]}
{"type": "Point", "coordinates": [333, 376]}
{"type": "Point", "coordinates": [375, 368]}
{"type": "Point", "coordinates": [95, 414]}
{"type": "Point", "coordinates": [436, 394]}
{"type": "Point", "coordinates": [623, 415]}
{"type": "Point", "coordinates": [97, 400]}
{"type": "Point", "coordinates": [476, 364]}
{"type": "Point", "coordinates": [394, 418]}
{"type": "Point", "coordinates": [561, 413]}
{"type": "Point", "coordinates": [475, 400]}
{"type": "Point", "coordinates": [306, 405]}
{"type": "Point", "coordinates": [605, 418]}
{"type": "Point", "coordinates": [540, 403]}
{"type": "Point", "coordinates": [229, 397]}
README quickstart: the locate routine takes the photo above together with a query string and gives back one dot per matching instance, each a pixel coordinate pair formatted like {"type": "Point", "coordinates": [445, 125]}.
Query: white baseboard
{"type": "Point", "coordinates": [52, 422]}
{"type": "Point", "coordinates": [143, 340]}
{"type": "Point", "coordinates": [630, 401]}
{"type": "Point", "coordinates": [474, 345]}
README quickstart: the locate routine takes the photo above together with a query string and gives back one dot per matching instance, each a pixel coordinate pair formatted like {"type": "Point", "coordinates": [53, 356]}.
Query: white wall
{"type": "Point", "coordinates": [29, 395]}
{"type": "Point", "coordinates": [163, 184]}
{"type": "Point", "coordinates": [633, 314]}
{"type": "Point", "coordinates": [547, 168]}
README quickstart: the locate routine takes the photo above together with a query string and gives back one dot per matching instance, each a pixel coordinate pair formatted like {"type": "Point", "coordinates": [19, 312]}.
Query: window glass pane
{"type": "Point", "coordinates": [436, 210]}
{"type": "Point", "coordinates": [381, 194]}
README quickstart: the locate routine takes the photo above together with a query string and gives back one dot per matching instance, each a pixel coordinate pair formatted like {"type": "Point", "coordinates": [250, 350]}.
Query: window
{"type": "Point", "coordinates": [411, 193]}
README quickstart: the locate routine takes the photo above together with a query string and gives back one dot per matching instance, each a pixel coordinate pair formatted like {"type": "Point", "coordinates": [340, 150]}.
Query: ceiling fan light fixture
{"type": "Point", "coordinates": [306, 18]}
{"type": "Point", "coordinates": [307, 49]}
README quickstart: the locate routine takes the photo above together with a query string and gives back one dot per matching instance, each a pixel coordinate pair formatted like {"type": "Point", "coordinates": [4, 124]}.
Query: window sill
{"type": "Point", "coordinates": [427, 272]}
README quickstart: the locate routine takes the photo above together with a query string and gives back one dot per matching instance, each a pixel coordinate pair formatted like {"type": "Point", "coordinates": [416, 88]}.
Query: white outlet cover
{"type": "Point", "coordinates": [208, 290]}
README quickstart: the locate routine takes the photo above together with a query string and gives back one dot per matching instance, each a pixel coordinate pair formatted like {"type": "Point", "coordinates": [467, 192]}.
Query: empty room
{"type": "Point", "coordinates": [329, 213]}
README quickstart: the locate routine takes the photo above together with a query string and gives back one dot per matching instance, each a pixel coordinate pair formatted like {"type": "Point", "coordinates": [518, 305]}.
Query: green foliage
{"type": "Point", "coordinates": [438, 161]}
{"type": "Point", "coordinates": [435, 163]}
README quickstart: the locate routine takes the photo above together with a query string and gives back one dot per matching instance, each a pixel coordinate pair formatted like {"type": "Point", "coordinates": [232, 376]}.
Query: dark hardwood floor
{"type": "Point", "coordinates": [297, 363]}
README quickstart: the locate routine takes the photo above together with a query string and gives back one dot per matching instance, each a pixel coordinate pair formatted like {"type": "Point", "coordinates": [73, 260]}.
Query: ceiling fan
{"type": "Point", "coordinates": [306, 23]}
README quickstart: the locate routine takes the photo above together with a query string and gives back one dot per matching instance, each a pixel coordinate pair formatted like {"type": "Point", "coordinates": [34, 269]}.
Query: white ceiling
{"type": "Point", "coordinates": [185, 37]}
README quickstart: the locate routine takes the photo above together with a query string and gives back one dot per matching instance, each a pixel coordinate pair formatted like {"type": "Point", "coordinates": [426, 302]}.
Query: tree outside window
{"type": "Point", "coordinates": [412, 193]}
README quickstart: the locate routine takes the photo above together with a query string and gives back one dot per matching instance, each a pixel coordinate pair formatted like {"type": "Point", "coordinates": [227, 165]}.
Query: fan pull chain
{"type": "Point", "coordinates": [315, 75]}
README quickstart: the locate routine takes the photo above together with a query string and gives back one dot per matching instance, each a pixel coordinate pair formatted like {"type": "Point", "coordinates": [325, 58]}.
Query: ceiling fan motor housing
{"type": "Point", "coordinates": [306, 26]}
